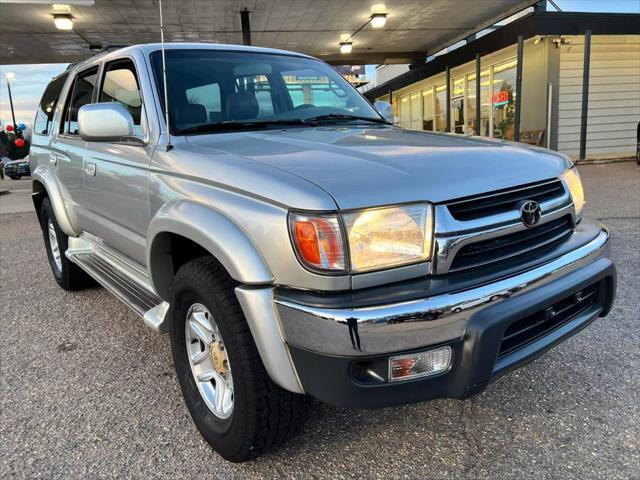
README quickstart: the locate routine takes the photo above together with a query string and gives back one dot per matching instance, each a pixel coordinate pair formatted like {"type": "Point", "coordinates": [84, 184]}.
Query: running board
{"type": "Point", "coordinates": [124, 280]}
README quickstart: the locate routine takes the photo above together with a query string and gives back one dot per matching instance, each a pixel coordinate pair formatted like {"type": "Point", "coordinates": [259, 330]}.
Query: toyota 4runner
{"type": "Point", "coordinates": [294, 243]}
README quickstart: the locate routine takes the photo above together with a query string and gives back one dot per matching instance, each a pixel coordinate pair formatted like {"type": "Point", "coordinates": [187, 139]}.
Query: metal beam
{"type": "Point", "coordinates": [246, 27]}
{"type": "Point", "coordinates": [478, 104]}
{"type": "Point", "coordinates": [585, 94]}
{"type": "Point", "coordinates": [519, 60]}
{"type": "Point", "coordinates": [447, 76]}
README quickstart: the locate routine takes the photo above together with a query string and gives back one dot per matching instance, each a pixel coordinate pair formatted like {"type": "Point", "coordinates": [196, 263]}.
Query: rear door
{"type": "Point", "coordinates": [117, 177]}
{"type": "Point", "coordinates": [67, 149]}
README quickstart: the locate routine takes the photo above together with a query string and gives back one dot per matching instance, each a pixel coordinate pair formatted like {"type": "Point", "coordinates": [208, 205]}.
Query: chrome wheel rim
{"type": "Point", "coordinates": [209, 361]}
{"type": "Point", "coordinates": [53, 244]}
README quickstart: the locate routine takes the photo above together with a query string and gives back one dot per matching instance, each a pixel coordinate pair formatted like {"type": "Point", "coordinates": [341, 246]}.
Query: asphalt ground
{"type": "Point", "coordinates": [88, 391]}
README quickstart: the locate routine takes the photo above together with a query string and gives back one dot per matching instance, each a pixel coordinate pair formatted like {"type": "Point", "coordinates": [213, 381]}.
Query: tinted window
{"type": "Point", "coordinates": [121, 86]}
{"type": "Point", "coordinates": [47, 107]}
{"type": "Point", "coordinates": [83, 88]}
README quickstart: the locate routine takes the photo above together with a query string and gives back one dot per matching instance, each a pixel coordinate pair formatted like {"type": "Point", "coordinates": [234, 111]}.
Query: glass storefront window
{"type": "Point", "coordinates": [503, 99]}
{"type": "Point", "coordinates": [427, 109]}
{"type": "Point", "coordinates": [416, 112]}
{"type": "Point", "coordinates": [484, 104]}
{"type": "Point", "coordinates": [405, 112]}
{"type": "Point", "coordinates": [457, 106]}
{"type": "Point", "coordinates": [441, 109]}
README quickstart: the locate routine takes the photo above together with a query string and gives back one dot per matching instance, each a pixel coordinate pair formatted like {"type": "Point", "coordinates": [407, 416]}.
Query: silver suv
{"type": "Point", "coordinates": [294, 243]}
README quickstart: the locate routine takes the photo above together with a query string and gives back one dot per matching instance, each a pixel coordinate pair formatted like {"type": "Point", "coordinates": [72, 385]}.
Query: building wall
{"type": "Point", "coordinates": [614, 96]}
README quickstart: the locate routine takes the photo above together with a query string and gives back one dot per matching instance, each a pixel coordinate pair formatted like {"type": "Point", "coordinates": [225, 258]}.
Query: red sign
{"type": "Point", "coordinates": [501, 98]}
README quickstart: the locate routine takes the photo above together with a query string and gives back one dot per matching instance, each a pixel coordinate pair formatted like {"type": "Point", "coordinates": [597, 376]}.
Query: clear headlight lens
{"type": "Point", "coordinates": [572, 180]}
{"type": "Point", "coordinates": [385, 237]}
{"type": "Point", "coordinates": [377, 238]}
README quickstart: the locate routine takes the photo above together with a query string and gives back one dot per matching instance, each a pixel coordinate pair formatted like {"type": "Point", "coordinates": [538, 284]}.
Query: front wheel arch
{"type": "Point", "coordinates": [202, 231]}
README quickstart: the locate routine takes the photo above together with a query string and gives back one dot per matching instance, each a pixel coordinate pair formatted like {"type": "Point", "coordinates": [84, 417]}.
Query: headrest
{"type": "Point", "coordinates": [190, 113]}
{"type": "Point", "coordinates": [242, 106]}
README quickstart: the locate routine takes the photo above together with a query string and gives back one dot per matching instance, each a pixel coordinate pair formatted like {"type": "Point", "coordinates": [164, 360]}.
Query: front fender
{"type": "Point", "coordinates": [48, 178]}
{"type": "Point", "coordinates": [214, 232]}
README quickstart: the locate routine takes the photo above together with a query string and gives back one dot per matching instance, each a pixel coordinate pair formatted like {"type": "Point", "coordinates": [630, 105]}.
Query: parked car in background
{"type": "Point", "coordinates": [294, 243]}
{"type": "Point", "coordinates": [16, 169]}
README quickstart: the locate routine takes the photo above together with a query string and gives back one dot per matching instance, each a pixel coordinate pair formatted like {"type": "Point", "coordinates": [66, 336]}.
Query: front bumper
{"type": "Point", "coordinates": [331, 345]}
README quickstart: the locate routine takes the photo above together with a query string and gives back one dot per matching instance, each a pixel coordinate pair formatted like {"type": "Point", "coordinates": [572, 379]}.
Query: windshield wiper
{"type": "Point", "coordinates": [242, 125]}
{"type": "Point", "coordinates": [344, 117]}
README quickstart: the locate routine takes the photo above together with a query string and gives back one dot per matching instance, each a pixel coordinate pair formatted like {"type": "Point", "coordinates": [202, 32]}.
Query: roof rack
{"type": "Point", "coordinates": [106, 48]}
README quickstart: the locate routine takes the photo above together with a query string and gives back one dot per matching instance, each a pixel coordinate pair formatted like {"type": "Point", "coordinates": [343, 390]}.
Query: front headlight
{"type": "Point", "coordinates": [376, 238]}
{"type": "Point", "coordinates": [386, 237]}
{"type": "Point", "coordinates": [572, 180]}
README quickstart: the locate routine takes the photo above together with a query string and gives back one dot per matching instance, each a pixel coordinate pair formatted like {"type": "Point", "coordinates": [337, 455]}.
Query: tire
{"type": "Point", "coordinates": [68, 275]}
{"type": "Point", "coordinates": [262, 415]}
{"type": "Point", "coordinates": [15, 177]}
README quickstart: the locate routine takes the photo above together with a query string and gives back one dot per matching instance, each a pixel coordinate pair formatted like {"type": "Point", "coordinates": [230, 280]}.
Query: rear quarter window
{"type": "Point", "coordinates": [47, 107]}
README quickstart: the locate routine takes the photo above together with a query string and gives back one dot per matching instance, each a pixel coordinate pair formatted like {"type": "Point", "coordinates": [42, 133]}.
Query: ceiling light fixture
{"type": "Point", "coordinates": [346, 47]}
{"type": "Point", "coordinates": [378, 20]}
{"type": "Point", "coordinates": [63, 21]}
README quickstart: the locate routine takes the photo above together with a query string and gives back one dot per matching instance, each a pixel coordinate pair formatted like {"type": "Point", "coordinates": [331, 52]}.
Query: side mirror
{"type": "Point", "coordinates": [385, 109]}
{"type": "Point", "coordinates": [105, 122]}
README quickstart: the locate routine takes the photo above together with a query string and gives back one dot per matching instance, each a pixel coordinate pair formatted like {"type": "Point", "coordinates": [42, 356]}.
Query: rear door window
{"type": "Point", "coordinates": [47, 106]}
{"type": "Point", "coordinates": [120, 85]}
{"type": "Point", "coordinates": [81, 94]}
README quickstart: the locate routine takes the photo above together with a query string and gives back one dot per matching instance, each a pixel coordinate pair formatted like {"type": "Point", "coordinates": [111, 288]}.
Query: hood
{"type": "Point", "coordinates": [363, 167]}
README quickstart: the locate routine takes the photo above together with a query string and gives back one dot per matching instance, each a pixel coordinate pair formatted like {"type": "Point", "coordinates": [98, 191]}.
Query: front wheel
{"type": "Point", "coordinates": [236, 407]}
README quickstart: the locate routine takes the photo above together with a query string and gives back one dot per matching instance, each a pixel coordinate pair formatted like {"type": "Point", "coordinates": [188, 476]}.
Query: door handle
{"type": "Point", "coordinates": [90, 169]}
{"type": "Point", "coordinates": [53, 159]}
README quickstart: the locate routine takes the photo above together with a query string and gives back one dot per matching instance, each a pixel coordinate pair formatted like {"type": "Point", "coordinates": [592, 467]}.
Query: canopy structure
{"type": "Point", "coordinates": [413, 28]}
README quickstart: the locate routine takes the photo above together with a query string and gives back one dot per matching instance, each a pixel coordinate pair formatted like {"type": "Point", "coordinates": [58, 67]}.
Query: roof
{"type": "Point", "coordinates": [536, 23]}
{"type": "Point", "coordinates": [314, 27]}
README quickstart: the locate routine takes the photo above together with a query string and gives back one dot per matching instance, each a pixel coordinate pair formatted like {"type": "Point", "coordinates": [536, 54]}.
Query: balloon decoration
{"type": "Point", "coordinates": [21, 127]}
{"type": "Point", "coordinates": [20, 142]}
{"type": "Point", "coordinates": [9, 128]}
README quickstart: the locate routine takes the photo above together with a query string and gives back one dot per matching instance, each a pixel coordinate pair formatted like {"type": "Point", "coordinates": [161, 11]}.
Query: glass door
{"type": "Point", "coordinates": [457, 106]}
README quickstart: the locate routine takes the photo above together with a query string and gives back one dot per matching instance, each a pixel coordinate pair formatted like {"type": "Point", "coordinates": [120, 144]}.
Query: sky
{"type": "Point", "coordinates": [30, 80]}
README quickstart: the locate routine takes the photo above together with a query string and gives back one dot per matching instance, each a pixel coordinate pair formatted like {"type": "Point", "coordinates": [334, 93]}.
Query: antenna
{"type": "Point", "coordinates": [164, 80]}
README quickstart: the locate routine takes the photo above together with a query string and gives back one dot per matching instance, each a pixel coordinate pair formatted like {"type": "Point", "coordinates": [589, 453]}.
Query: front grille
{"type": "Point", "coordinates": [504, 200]}
{"type": "Point", "coordinates": [523, 243]}
{"type": "Point", "coordinates": [529, 329]}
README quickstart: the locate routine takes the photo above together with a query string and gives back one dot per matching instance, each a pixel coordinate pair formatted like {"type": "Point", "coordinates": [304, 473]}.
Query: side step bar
{"type": "Point", "coordinates": [125, 280]}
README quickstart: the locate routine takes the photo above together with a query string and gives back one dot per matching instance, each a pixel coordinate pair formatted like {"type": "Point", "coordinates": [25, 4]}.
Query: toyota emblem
{"type": "Point", "coordinates": [530, 213]}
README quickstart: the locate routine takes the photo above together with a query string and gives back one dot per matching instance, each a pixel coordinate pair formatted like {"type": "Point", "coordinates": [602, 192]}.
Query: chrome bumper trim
{"type": "Point", "coordinates": [418, 323]}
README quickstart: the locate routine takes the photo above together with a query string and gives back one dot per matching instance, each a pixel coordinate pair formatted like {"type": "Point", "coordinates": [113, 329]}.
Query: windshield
{"type": "Point", "coordinates": [213, 89]}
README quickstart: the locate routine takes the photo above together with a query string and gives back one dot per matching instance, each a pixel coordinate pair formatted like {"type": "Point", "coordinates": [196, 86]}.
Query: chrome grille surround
{"type": "Point", "coordinates": [451, 234]}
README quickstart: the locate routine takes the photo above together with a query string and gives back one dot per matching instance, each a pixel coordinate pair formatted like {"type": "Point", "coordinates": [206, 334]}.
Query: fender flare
{"type": "Point", "coordinates": [47, 178]}
{"type": "Point", "coordinates": [213, 231]}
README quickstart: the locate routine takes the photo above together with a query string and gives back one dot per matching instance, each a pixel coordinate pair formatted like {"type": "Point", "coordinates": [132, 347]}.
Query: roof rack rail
{"type": "Point", "coordinates": [106, 48]}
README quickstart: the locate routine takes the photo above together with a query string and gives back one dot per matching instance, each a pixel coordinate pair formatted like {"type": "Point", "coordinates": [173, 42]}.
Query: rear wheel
{"type": "Point", "coordinates": [236, 407]}
{"type": "Point", "coordinates": [68, 275]}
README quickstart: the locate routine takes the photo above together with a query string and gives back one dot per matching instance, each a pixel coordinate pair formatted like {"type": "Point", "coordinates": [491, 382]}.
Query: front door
{"type": "Point", "coordinates": [117, 174]}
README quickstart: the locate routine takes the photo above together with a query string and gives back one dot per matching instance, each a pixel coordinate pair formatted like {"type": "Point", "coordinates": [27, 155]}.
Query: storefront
{"type": "Point", "coordinates": [551, 85]}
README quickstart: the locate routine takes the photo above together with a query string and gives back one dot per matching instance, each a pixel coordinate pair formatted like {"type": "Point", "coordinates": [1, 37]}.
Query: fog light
{"type": "Point", "coordinates": [421, 364]}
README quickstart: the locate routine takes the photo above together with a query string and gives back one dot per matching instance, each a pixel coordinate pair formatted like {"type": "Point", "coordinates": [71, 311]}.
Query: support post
{"type": "Point", "coordinates": [13, 115]}
{"type": "Point", "coordinates": [246, 27]}
{"type": "Point", "coordinates": [516, 120]}
{"type": "Point", "coordinates": [585, 95]}
{"type": "Point", "coordinates": [448, 90]}
{"type": "Point", "coordinates": [478, 103]}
